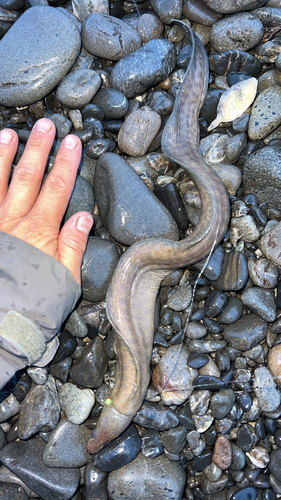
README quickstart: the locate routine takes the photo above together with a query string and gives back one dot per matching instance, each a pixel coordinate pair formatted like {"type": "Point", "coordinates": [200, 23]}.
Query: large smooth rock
{"type": "Point", "coordinates": [127, 207]}
{"type": "Point", "coordinates": [147, 479]}
{"type": "Point", "coordinates": [35, 54]}
{"type": "Point", "coordinates": [25, 459]}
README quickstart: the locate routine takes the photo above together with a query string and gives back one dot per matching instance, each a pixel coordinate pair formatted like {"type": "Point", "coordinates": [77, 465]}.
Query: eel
{"type": "Point", "coordinates": [135, 283]}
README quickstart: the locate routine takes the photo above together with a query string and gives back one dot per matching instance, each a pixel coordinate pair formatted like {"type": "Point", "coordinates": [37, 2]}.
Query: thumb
{"type": "Point", "coordinates": [72, 242]}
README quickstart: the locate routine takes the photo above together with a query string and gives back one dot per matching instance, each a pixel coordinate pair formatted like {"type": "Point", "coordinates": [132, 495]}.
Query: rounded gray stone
{"type": "Point", "coordinates": [222, 402]}
{"type": "Point", "coordinates": [99, 261]}
{"type": "Point", "coordinates": [109, 37]}
{"type": "Point", "coordinates": [76, 403]}
{"type": "Point", "coordinates": [241, 31]}
{"type": "Point", "coordinates": [261, 302]}
{"type": "Point", "coordinates": [146, 67]}
{"type": "Point", "coordinates": [35, 54]}
{"type": "Point", "coordinates": [147, 479]}
{"type": "Point", "coordinates": [246, 333]}
{"type": "Point", "coordinates": [262, 176]}
{"type": "Point", "coordinates": [128, 208]}
{"type": "Point", "coordinates": [114, 104]}
{"type": "Point", "coordinates": [78, 88]}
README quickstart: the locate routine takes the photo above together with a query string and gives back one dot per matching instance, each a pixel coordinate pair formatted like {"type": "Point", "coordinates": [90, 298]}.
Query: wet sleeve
{"type": "Point", "coordinates": [36, 295]}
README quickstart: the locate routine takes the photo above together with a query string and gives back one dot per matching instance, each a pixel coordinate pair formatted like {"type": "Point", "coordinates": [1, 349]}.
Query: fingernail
{"type": "Point", "coordinates": [43, 125]}
{"type": "Point", "coordinates": [6, 136]}
{"type": "Point", "coordinates": [84, 223]}
{"type": "Point", "coordinates": [70, 142]}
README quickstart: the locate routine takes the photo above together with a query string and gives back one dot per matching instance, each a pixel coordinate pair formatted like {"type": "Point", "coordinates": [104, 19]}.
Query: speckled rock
{"type": "Point", "coordinates": [263, 272]}
{"type": "Point", "coordinates": [78, 88]}
{"type": "Point", "coordinates": [172, 377]}
{"type": "Point", "coordinates": [270, 244]}
{"type": "Point", "coordinates": [262, 175]}
{"type": "Point", "coordinates": [147, 479]}
{"type": "Point", "coordinates": [232, 6]}
{"type": "Point", "coordinates": [138, 131]}
{"type": "Point", "coordinates": [167, 10]}
{"type": "Point", "coordinates": [127, 206]}
{"type": "Point", "coordinates": [76, 403]}
{"type": "Point", "coordinates": [109, 37]}
{"type": "Point", "coordinates": [99, 261]}
{"type": "Point", "coordinates": [222, 453]}
{"type": "Point", "coordinates": [144, 68]}
{"type": "Point", "coordinates": [241, 31]}
{"type": "Point", "coordinates": [8, 408]}
{"type": "Point", "coordinates": [265, 390]}
{"type": "Point", "coordinates": [37, 51]}
{"type": "Point", "coordinates": [266, 113]}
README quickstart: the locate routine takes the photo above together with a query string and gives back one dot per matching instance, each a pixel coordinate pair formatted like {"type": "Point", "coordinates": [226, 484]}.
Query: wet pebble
{"type": "Point", "coordinates": [245, 437]}
{"type": "Point", "coordinates": [61, 370]}
{"type": "Point", "coordinates": [150, 26]}
{"type": "Point", "coordinates": [167, 10]}
{"type": "Point", "coordinates": [232, 311]}
{"type": "Point", "coordinates": [154, 417]}
{"type": "Point", "coordinates": [40, 410]}
{"type": "Point", "coordinates": [222, 403]}
{"type": "Point", "coordinates": [42, 44]}
{"type": "Point", "coordinates": [95, 483]}
{"type": "Point", "coordinates": [89, 369]}
{"type": "Point", "coordinates": [258, 456]}
{"type": "Point", "coordinates": [199, 402]}
{"type": "Point", "coordinates": [160, 475]}
{"type": "Point", "coordinates": [180, 298]}
{"type": "Point", "coordinates": [246, 333]}
{"type": "Point", "coordinates": [112, 102]}
{"type": "Point", "coordinates": [8, 408]}
{"type": "Point", "coordinates": [123, 197]}
{"type": "Point", "coordinates": [274, 363]}
{"type": "Point", "coordinates": [63, 125]}
{"type": "Point", "coordinates": [174, 440]}
{"type": "Point", "coordinates": [263, 272]}
{"type": "Point", "coordinates": [151, 446]}
{"type": "Point", "coordinates": [234, 275]}
{"type": "Point", "coordinates": [274, 463]}
{"type": "Point", "coordinates": [99, 262]}
{"type": "Point", "coordinates": [66, 445]}
{"type": "Point", "coordinates": [119, 452]}
{"type": "Point", "coordinates": [144, 68]}
{"type": "Point", "coordinates": [78, 88]}
{"type": "Point", "coordinates": [109, 37]}
{"type": "Point", "coordinates": [215, 303]}
{"type": "Point", "coordinates": [38, 375]}
{"type": "Point", "coordinates": [270, 244]}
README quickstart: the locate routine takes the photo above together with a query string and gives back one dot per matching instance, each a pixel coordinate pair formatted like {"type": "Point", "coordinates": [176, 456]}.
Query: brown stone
{"type": "Point", "coordinates": [274, 363]}
{"type": "Point", "coordinates": [222, 453]}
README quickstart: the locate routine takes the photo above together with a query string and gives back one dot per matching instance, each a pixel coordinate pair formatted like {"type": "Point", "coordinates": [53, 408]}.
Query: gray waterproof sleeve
{"type": "Point", "coordinates": [36, 295]}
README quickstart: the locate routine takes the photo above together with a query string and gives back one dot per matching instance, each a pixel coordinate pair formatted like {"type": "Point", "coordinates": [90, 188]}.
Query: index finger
{"type": "Point", "coordinates": [57, 189]}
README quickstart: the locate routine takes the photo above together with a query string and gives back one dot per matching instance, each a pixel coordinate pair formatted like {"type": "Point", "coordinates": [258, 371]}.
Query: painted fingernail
{"type": "Point", "coordinates": [43, 125]}
{"type": "Point", "coordinates": [6, 136]}
{"type": "Point", "coordinates": [84, 223]}
{"type": "Point", "coordinates": [70, 142]}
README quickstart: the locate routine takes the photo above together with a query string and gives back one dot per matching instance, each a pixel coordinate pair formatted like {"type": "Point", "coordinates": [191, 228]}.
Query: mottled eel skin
{"type": "Point", "coordinates": [132, 293]}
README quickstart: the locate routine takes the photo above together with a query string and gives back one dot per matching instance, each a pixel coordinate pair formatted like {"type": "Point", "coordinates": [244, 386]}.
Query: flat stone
{"type": "Point", "coordinates": [234, 275]}
{"type": "Point", "coordinates": [99, 261]}
{"type": "Point", "coordinates": [40, 410]}
{"type": "Point", "coordinates": [25, 459]}
{"type": "Point", "coordinates": [154, 417]}
{"type": "Point", "coordinates": [138, 131]}
{"type": "Point", "coordinates": [109, 37]}
{"type": "Point", "coordinates": [67, 445]}
{"type": "Point", "coordinates": [127, 206]}
{"type": "Point", "coordinates": [147, 479]}
{"type": "Point", "coordinates": [174, 440]}
{"type": "Point", "coordinates": [232, 311]}
{"type": "Point", "coordinates": [212, 268]}
{"type": "Point", "coordinates": [246, 333]}
{"type": "Point", "coordinates": [35, 54]}
{"type": "Point", "coordinates": [221, 403]}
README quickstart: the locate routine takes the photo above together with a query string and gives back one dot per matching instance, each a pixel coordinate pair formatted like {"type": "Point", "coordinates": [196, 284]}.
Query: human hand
{"type": "Point", "coordinates": [35, 216]}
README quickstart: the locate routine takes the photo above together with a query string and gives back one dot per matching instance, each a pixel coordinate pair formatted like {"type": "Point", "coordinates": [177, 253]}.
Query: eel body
{"type": "Point", "coordinates": [132, 293]}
